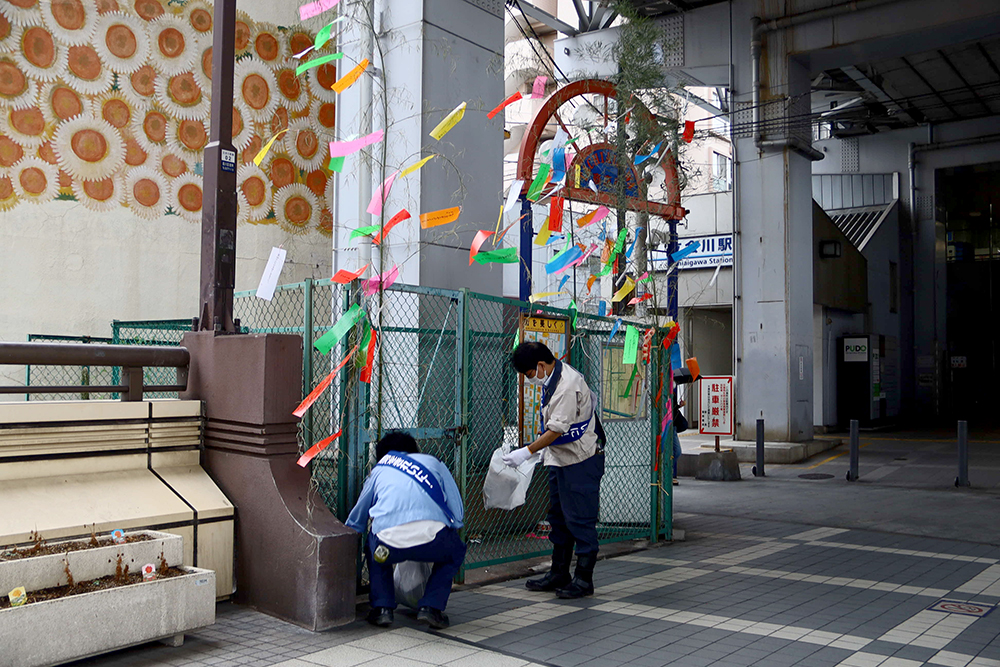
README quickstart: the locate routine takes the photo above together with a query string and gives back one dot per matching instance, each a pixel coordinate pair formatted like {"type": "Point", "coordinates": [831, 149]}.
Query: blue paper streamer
{"type": "Point", "coordinates": [558, 164]}
{"type": "Point", "coordinates": [562, 282]}
{"type": "Point", "coordinates": [614, 329]}
{"type": "Point", "coordinates": [628, 253]}
{"type": "Point", "coordinates": [639, 159]}
{"type": "Point", "coordinates": [681, 254]}
{"type": "Point", "coordinates": [560, 263]}
{"type": "Point", "coordinates": [602, 308]}
{"type": "Point", "coordinates": [675, 357]}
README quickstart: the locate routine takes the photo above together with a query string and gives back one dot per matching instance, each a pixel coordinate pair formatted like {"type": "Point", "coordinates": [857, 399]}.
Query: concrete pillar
{"type": "Point", "coordinates": [774, 319]}
{"type": "Point", "coordinates": [294, 559]}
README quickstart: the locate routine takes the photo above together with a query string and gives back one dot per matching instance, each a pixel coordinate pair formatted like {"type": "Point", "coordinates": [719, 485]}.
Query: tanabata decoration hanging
{"type": "Point", "coordinates": [379, 196]}
{"type": "Point", "coordinates": [393, 221]}
{"type": "Point", "coordinates": [543, 234]}
{"type": "Point", "coordinates": [438, 218]}
{"type": "Point", "coordinates": [324, 34]}
{"type": "Point", "coordinates": [316, 8]}
{"type": "Point", "coordinates": [450, 121]}
{"type": "Point", "coordinates": [366, 372]}
{"type": "Point", "coordinates": [556, 214]}
{"type": "Point", "coordinates": [368, 230]}
{"type": "Point", "coordinates": [507, 102]}
{"type": "Point", "coordinates": [562, 283]}
{"type": "Point", "coordinates": [602, 308]}
{"type": "Point", "coordinates": [262, 153]}
{"type": "Point", "coordinates": [639, 299]}
{"type": "Point", "coordinates": [538, 296]}
{"type": "Point", "coordinates": [583, 257]}
{"type": "Point", "coordinates": [575, 311]}
{"type": "Point", "coordinates": [668, 340]}
{"type": "Point", "coordinates": [477, 243]}
{"type": "Point", "coordinates": [513, 193]}
{"type": "Point", "coordinates": [639, 159]}
{"type": "Point", "coordinates": [344, 276]}
{"type": "Point", "coordinates": [541, 178]}
{"type": "Point", "coordinates": [384, 281]}
{"type": "Point", "coordinates": [343, 325]}
{"type": "Point", "coordinates": [688, 131]}
{"type": "Point", "coordinates": [590, 283]}
{"type": "Point", "coordinates": [631, 379]}
{"type": "Point", "coordinates": [345, 148]}
{"type": "Point", "coordinates": [693, 368]}
{"type": "Point", "coordinates": [631, 345]}
{"type": "Point", "coordinates": [500, 256]}
{"type": "Point", "coordinates": [499, 220]}
{"type": "Point", "coordinates": [417, 165]}
{"type": "Point", "coordinates": [316, 449]}
{"type": "Point", "coordinates": [688, 249]}
{"type": "Point", "coordinates": [624, 291]}
{"type": "Point", "coordinates": [538, 87]}
{"type": "Point", "coordinates": [614, 329]}
{"type": "Point", "coordinates": [562, 259]}
{"type": "Point", "coordinates": [321, 387]}
{"type": "Point", "coordinates": [346, 81]}
{"type": "Point", "coordinates": [596, 215]}
{"type": "Point", "coordinates": [316, 62]}
{"type": "Point", "coordinates": [336, 164]}
{"type": "Point", "coordinates": [631, 248]}
{"type": "Point", "coordinates": [499, 237]}
{"type": "Point", "coordinates": [620, 243]}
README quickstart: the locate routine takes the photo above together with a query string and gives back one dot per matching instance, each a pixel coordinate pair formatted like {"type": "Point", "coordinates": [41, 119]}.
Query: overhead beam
{"type": "Point", "coordinates": [975, 94]}
{"type": "Point", "coordinates": [544, 17]}
{"type": "Point", "coordinates": [989, 59]}
{"type": "Point", "coordinates": [933, 90]}
{"type": "Point", "coordinates": [870, 86]}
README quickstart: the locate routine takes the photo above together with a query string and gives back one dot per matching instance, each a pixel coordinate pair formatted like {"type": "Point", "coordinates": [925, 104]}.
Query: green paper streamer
{"type": "Point", "coordinates": [339, 330]}
{"type": "Point", "coordinates": [323, 36]}
{"type": "Point", "coordinates": [628, 389]}
{"type": "Point", "coordinates": [619, 244]}
{"type": "Point", "coordinates": [646, 279]}
{"type": "Point", "coordinates": [539, 182]}
{"type": "Point", "coordinates": [501, 256]}
{"type": "Point", "coordinates": [573, 309]}
{"type": "Point", "coordinates": [516, 342]}
{"type": "Point", "coordinates": [631, 345]}
{"type": "Point", "coordinates": [316, 62]}
{"type": "Point", "coordinates": [606, 270]}
{"type": "Point", "coordinates": [365, 231]}
{"type": "Point", "coordinates": [336, 164]}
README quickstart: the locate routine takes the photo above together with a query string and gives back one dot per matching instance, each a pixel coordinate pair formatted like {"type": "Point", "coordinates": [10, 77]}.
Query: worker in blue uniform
{"type": "Point", "coordinates": [416, 512]}
{"type": "Point", "coordinates": [572, 445]}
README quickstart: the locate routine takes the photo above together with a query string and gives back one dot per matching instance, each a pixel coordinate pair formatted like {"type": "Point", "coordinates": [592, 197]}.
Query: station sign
{"type": "Point", "coordinates": [714, 250]}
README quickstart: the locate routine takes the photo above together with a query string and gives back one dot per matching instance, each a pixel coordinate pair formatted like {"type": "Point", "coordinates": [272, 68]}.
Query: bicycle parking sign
{"type": "Point", "coordinates": [716, 405]}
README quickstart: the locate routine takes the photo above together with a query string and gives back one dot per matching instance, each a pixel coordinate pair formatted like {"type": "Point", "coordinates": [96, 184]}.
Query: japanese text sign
{"type": "Point", "coordinates": [716, 405]}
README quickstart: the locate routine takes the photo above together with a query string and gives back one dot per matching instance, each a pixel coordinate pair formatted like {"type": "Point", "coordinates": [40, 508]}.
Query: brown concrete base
{"type": "Point", "coordinates": [718, 466]}
{"type": "Point", "coordinates": [294, 559]}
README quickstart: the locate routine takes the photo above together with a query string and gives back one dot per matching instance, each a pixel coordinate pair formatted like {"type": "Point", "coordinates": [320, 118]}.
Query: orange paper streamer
{"type": "Point", "coordinates": [344, 276]}
{"type": "Point", "coordinates": [442, 217]}
{"type": "Point", "coordinates": [498, 108]}
{"type": "Point", "coordinates": [393, 221]}
{"type": "Point", "coordinates": [366, 372]}
{"type": "Point", "coordinates": [316, 449]}
{"type": "Point", "coordinates": [639, 299]}
{"type": "Point", "coordinates": [693, 368]}
{"type": "Point", "coordinates": [344, 82]}
{"type": "Point", "coordinates": [321, 387]}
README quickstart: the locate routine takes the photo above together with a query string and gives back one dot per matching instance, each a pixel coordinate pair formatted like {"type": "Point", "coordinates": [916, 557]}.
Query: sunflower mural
{"type": "Point", "coordinates": [105, 102]}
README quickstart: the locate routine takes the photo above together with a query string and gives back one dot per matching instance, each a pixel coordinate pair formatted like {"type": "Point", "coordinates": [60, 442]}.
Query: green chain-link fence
{"type": "Point", "coordinates": [67, 376]}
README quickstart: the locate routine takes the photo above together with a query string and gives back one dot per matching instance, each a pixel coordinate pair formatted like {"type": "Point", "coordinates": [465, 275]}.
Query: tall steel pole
{"type": "Point", "coordinates": [218, 216]}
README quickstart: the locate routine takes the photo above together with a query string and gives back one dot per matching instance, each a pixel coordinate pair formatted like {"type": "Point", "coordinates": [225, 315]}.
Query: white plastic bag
{"type": "Point", "coordinates": [410, 579]}
{"type": "Point", "coordinates": [505, 488]}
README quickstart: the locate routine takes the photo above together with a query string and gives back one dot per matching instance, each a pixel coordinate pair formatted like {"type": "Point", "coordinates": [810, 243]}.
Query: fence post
{"type": "Point", "coordinates": [307, 365]}
{"type": "Point", "coordinates": [347, 412]}
{"type": "Point", "coordinates": [963, 454]}
{"type": "Point", "coordinates": [852, 474]}
{"type": "Point", "coordinates": [462, 402]}
{"type": "Point", "coordinates": [656, 449]}
{"type": "Point", "coordinates": [758, 470]}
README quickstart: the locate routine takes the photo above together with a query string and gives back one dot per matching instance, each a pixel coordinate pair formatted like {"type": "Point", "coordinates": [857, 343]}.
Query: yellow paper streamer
{"type": "Point", "coordinates": [626, 288]}
{"type": "Point", "coordinates": [344, 82]}
{"type": "Point", "coordinates": [576, 177]}
{"type": "Point", "coordinates": [499, 220]}
{"type": "Point", "coordinates": [417, 165]}
{"type": "Point", "coordinates": [543, 234]}
{"type": "Point", "coordinates": [450, 121]}
{"type": "Point", "coordinates": [263, 151]}
{"type": "Point", "coordinates": [538, 296]}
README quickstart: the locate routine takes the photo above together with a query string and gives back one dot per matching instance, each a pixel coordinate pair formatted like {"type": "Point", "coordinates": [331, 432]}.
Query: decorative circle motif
{"type": "Point", "coordinates": [252, 186]}
{"type": "Point", "coordinates": [122, 41]}
{"type": "Point", "coordinates": [89, 149]}
{"type": "Point", "coordinates": [184, 96]}
{"type": "Point", "coordinates": [256, 86]}
{"type": "Point", "coordinates": [294, 89]}
{"type": "Point", "coordinates": [328, 191]}
{"type": "Point", "coordinates": [115, 109]}
{"type": "Point", "coordinates": [316, 181]}
{"type": "Point", "coordinates": [40, 56]}
{"type": "Point", "coordinates": [188, 135]}
{"type": "Point", "coordinates": [10, 152]}
{"type": "Point", "coordinates": [149, 10]}
{"type": "Point", "coordinates": [60, 102]}
{"type": "Point", "coordinates": [320, 80]}
{"type": "Point", "coordinates": [267, 45]}
{"type": "Point", "coordinates": [242, 127]}
{"type": "Point", "coordinates": [325, 226]}
{"type": "Point", "coordinates": [10, 35]}
{"type": "Point", "coordinates": [199, 16]}
{"type": "Point", "coordinates": [47, 153]}
{"type": "Point", "coordinates": [16, 90]}
{"type": "Point", "coordinates": [303, 145]}
{"type": "Point", "coordinates": [107, 6]}
{"type": "Point", "coordinates": [279, 121]}
{"type": "Point", "coordinates": [137, 155]}
{"type": "Point", "coordinates": [102, 196]}
{"type": "Point", "coordinates": [252, 148]}
{"type": "Point", "coordinates": [22, 12]}
{"type": "Point", "coordinates": [324, 117]}
{"type": "Point", "coordinates": [206, 61]}
{"type": "Point", "coordinates": [71, 21]}
{"type": "Point", "coordinates": [25, 126]}
{"type": "Point", "coordinates": [174, 164]}
{"type": "Point", "coordinates": [244, 33]}
{"type": "Point", "coordinates": [139, 87]}
{"type": "Point", "coordinates": [186, 197]}
{"type": "Point", "coordinates": [296, 208]}
{"type": "Point", "coordinates": [8, 196]}
{"type": "Point", "coordinates": [174, 45]}
{"type": "Point", "coordinates": [282, 171]}
{"type": "Point", "coordinates": [298, 41]}
{"type": "Point", "coordinates": [85, 72]}
{"type": "Point", "coordinates": [151, 128]}
{"type": "Point", "coordinates": [35, 180]}
{"type": "Point", "coordinates": [146, 192]}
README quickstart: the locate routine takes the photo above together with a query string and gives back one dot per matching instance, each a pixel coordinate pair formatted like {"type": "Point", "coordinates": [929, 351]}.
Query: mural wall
{"type": "Point", "coordinates": [107, 103]}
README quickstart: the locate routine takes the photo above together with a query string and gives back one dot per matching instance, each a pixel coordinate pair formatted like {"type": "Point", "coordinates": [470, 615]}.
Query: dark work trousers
{"type": "Point", "coordinates": [446, 551]}
{"type": "Point", "coordinates": [574, 497]}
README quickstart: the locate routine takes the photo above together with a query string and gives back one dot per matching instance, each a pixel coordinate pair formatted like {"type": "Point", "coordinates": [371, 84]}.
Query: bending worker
{"type": "Point", "coordinates": [572, 446]}
{"type": "Point", "coordinates": [416, 512]}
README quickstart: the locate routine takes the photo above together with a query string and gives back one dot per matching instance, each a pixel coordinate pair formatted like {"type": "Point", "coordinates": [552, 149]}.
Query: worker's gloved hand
{"type": "Point", "coordinates": [517, 457]}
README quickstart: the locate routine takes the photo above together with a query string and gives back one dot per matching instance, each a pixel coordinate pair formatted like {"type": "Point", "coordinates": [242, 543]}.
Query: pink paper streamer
{"type": "Point", "coordinates": [316, 8]}
{"type": "Point", "coordinates": [600, 214]}
{"type": "Point", "coordinates": [583, 258]}
{"type": "Point", "coordinates": [538, 88]}
{"type": "Point", "coordinates": [477, 243]}
{"type": "Point", "coordinates": [386, 280]}
{"type": "Point", "coordinates": [378, 199]}
{"type": "Point", "coordinates": [345, 148]}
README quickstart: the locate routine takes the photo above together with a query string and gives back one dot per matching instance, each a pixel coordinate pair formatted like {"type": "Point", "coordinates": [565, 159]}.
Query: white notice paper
{"type": "Point", "coordinates": [513, 194]}
{"type": "Point", "coordinates": [269, 280]}
{"type": "Point", "coordinates": [715, 275]}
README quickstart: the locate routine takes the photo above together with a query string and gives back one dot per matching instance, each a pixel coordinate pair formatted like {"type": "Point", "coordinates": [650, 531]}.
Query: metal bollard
{"type": "Point", "coordinates": [758, 470]}
{"type": "Point", "coordinates": [852, 474]}
{"type": "Point", "coordinates": [963, 454]}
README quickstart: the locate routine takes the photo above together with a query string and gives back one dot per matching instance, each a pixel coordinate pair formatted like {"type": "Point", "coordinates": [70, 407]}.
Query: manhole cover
{"type": "Point", "coordinates": [816, 475]}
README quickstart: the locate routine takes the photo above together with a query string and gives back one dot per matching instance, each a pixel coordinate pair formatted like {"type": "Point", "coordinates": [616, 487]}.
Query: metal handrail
{"type": "Point", "coordinates": [131, 358]}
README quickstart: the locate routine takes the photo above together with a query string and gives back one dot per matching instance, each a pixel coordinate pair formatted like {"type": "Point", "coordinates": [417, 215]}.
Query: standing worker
{"type": "Point", "coordinates": [416, 512]}
{"type": "Point", "coordinates": [572, 445]}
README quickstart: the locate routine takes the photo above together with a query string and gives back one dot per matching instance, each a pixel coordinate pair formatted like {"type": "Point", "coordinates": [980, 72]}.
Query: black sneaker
{"type": "Point", "coordinates": [380, 616]}
{"type": "Point", "coordinates": [435, 618]}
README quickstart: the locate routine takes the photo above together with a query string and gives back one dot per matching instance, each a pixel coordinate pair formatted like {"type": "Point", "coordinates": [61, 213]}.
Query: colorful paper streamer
{"type": "Point", "coordinates": [614, 329]}
{"type": "Point", "coordinates": [688, 131]}
{"type": "Point", "coordinates": [393, 221]}
{"type": "Point", "coordinates": [538, 87]}
{"type": "Point", "coordinates": [366, 372]}
{"type": "Point", "coordinates": [384, 281]}
{"type": "Point", "coordinates": [344, 276]}
{"type": "Point", "coordinates": [556, 214]}
{"type": "Point", "coordinates": [417, 165]}
{"type": "Point", "coordinates": [316, 62]}
{"type": "Point", "coordinates": [364, 231]}
{"type": "Point", "coordinates": [324, 34]}
{"type": "Point", "coordinates": [631, 345]}
{"type": "Point", "coordinates": [542, 238]}
{"type": "Point", "coordinates": [339, 330]}
{"type": "Point", "coordinates": [538, 296]}
{"type": "Point", "coordinates": [262, 153]}
{"type": "Point", "coordinates": [513, 194]}
{"type": "Point", "coordinates": [316, 449]}
{"type": "Point", "coordinates": [441, 217]}
{"type": "Point", "coordinates": [450, 121]}
{"type": "Point", "coordinates": [507, 102]}
{"type": "Point", "coordinates": [379, 196]}
{"type": "Point", "coordinates": [336, 164]}
{"type": "Point", "coordinates": [541, 178]}
{"type": "Point", "coordinates": [321, 387]}
{"type": "Point", "coordinates": [623, 292]}
{"type": "Point", "coordinates": [688, 249]}
{"type": "Point", "coordinates": [477, 243]}
{"type": "Point", "coordinates": [346, 81]}
{"type": "Point", "coordinates": [500, 256]}
{"type": "Point", "coordinates": [639, 299]}
{"type": "Point", "coordinates": [596, 215]}
{"type": "Point", "coordinates": [345, 148]}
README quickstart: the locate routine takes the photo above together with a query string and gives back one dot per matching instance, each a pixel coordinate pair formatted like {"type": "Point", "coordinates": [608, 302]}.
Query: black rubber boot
{"type": "Point", "coordinates": [558, 574]}
{"type": "Point", "coordinates": [435, 618]}
{"type": "Point", "coordinates": [583, 578]}
{"type": "Point", "coordinates": [380, 616]}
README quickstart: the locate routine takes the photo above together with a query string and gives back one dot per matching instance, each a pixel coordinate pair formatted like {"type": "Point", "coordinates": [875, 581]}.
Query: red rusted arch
{"type": "Point", "coordinates": [532, 137]}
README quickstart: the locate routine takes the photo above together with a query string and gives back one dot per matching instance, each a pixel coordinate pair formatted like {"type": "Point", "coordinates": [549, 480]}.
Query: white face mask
{"type": "Point", "coordinates": [537, 381]}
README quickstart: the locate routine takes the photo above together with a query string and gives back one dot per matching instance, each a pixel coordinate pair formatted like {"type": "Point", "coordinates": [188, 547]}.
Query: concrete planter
{"type": "Point", "coordinates": [38, 572]}
{"type": "Point", "coordinates": [58, 631]}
